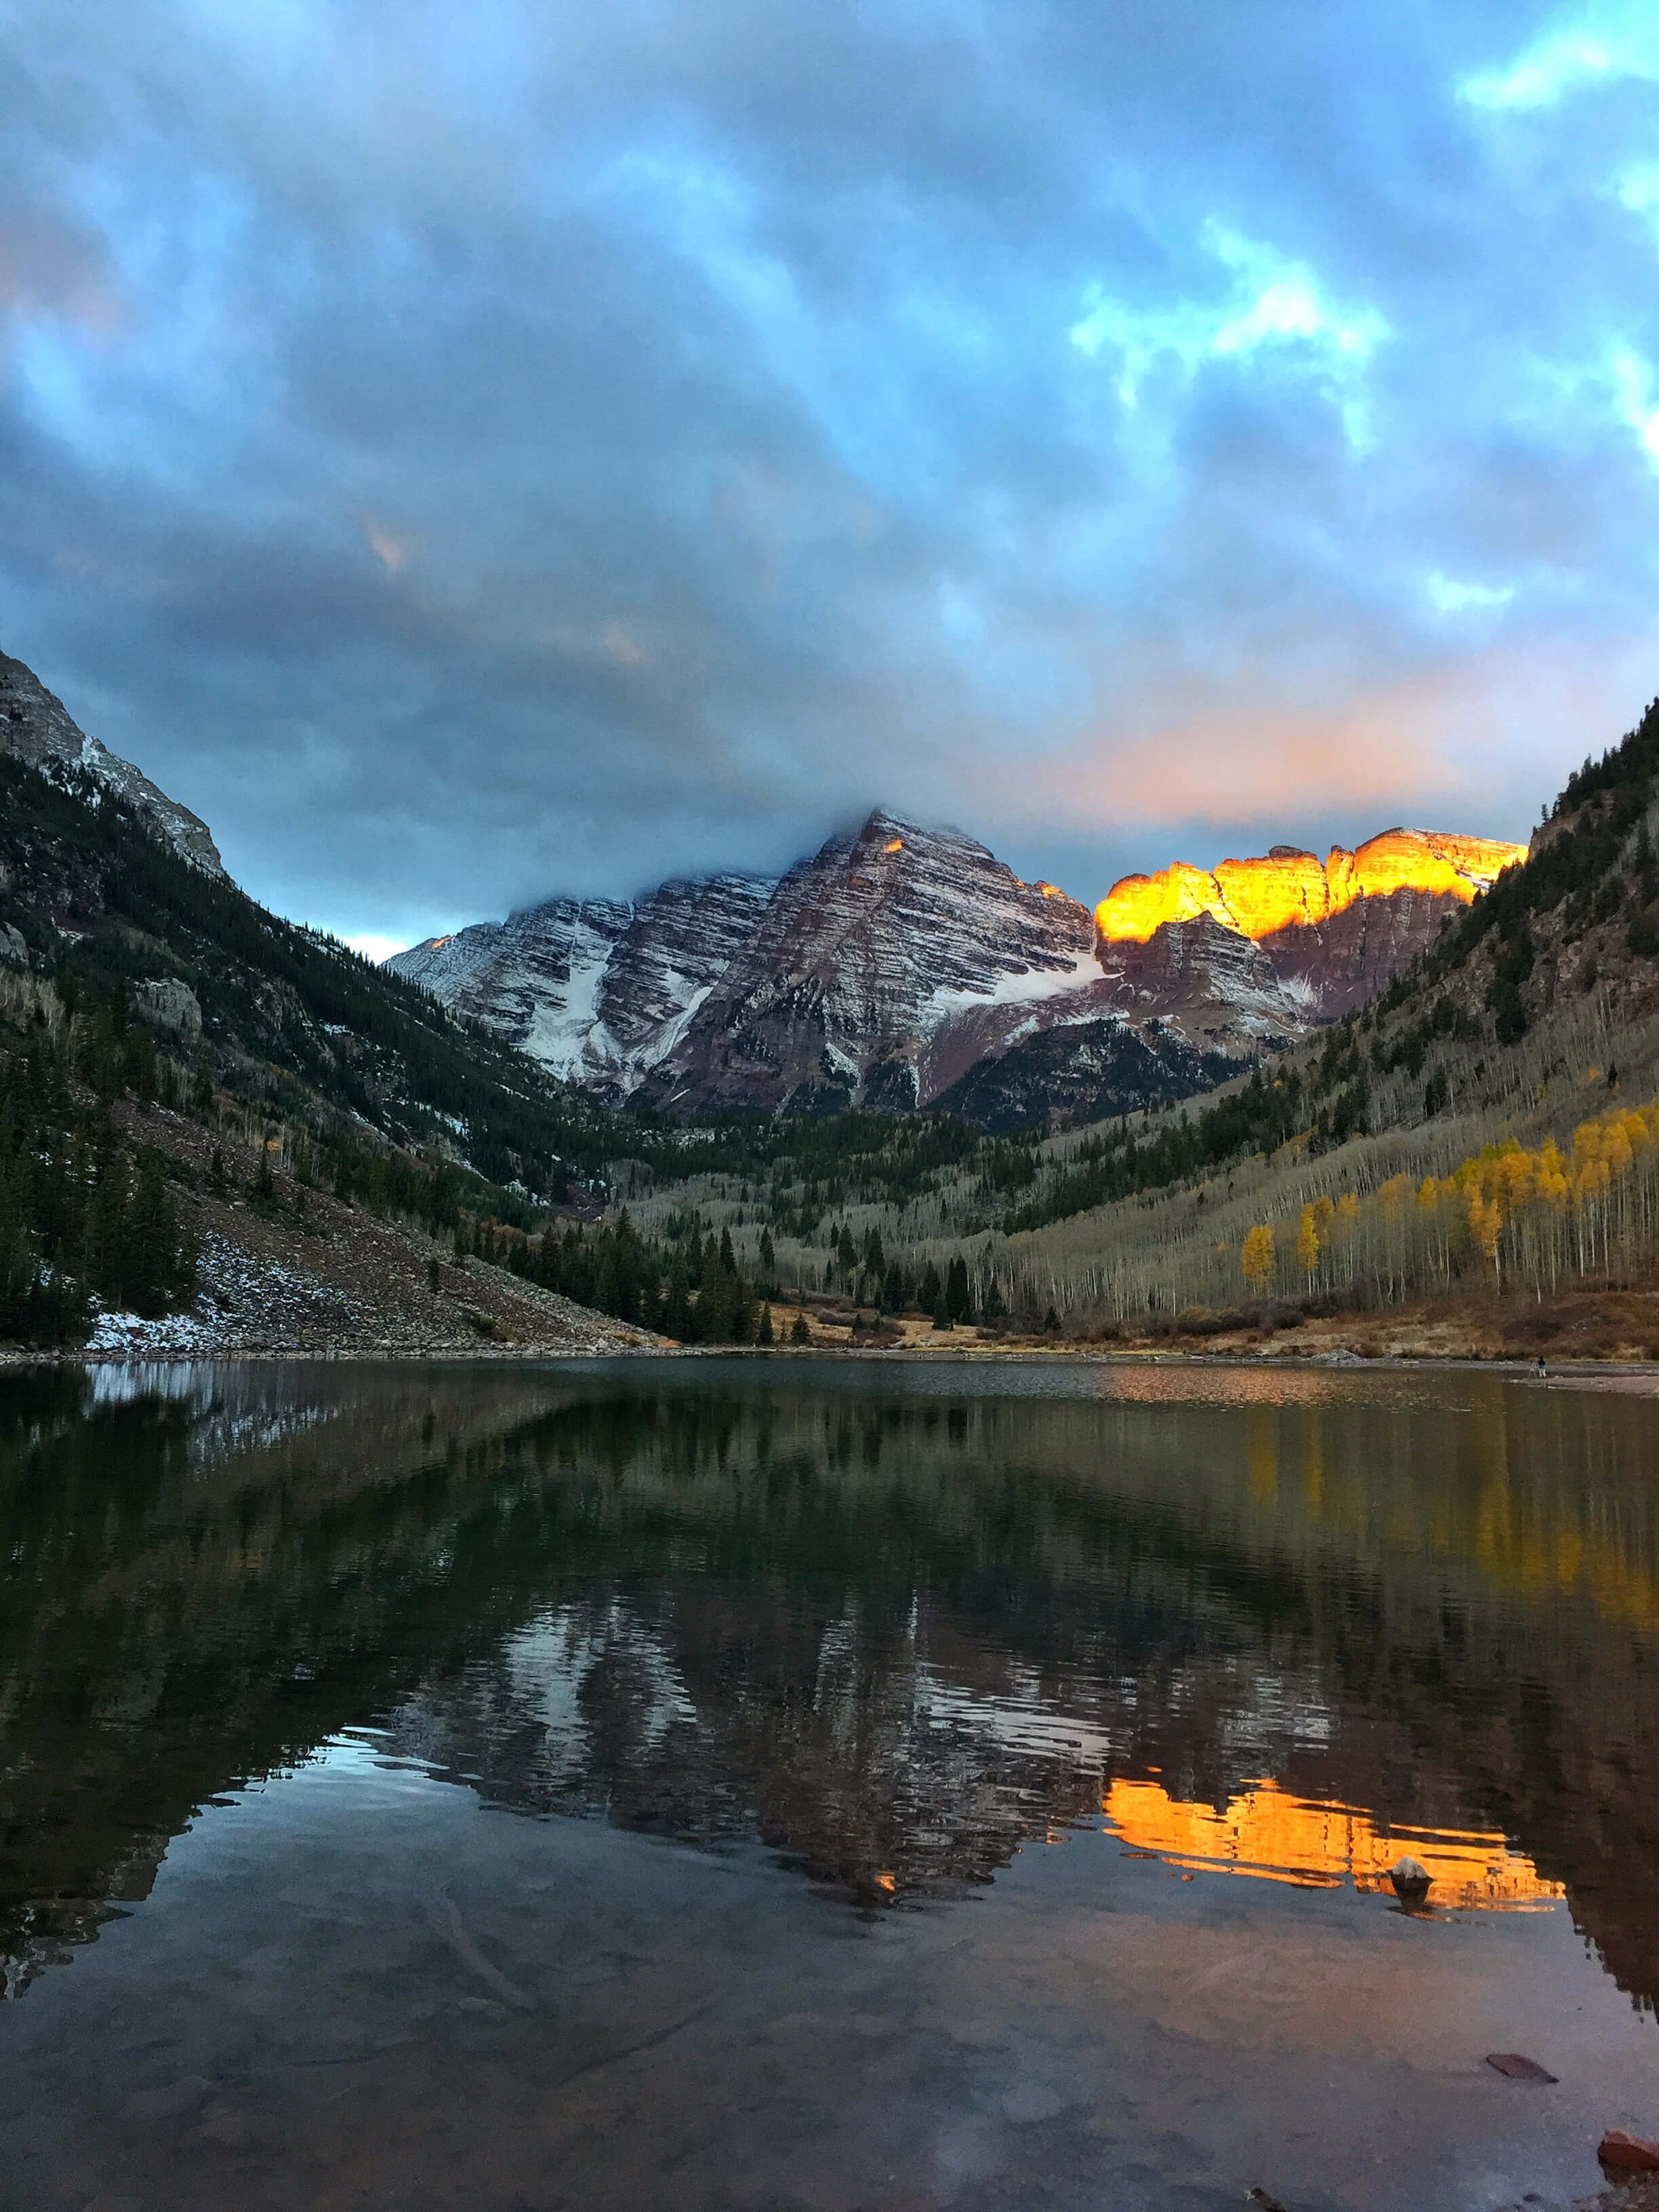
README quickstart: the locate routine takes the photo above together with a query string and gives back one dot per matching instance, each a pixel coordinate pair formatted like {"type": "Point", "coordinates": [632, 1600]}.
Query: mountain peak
{"type": "Point", "coordinates": [36, 727]}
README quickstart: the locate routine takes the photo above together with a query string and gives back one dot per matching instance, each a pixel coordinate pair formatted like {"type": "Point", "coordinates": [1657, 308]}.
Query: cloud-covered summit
{"type": "Point", "coordinates": [471, 452]}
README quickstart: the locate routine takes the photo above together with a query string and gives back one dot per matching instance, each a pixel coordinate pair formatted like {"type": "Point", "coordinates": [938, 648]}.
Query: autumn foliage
{"type": "Point", "coordinates": [1505, 1217]}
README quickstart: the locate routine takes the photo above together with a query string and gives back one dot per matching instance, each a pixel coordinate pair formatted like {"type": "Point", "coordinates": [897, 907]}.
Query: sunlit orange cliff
{"type": "Point", "coordinates": [1287, 888]}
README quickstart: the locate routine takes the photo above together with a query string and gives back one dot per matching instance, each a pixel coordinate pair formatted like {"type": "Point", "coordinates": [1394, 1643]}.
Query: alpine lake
{"type": "Point", "coordinates": [792, 1783]}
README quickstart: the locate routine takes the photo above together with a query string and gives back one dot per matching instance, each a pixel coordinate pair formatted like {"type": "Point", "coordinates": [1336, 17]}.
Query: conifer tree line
{"type": "Point", "coordinates": [864, 1272]}
{"type": "Point", "coordinates": [85, 1214]}
{"type": "Point", "coordinates": [689, 1288]}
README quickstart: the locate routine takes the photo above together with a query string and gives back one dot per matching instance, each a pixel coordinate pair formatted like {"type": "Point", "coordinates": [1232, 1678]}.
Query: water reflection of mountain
{"type": "Point", "coordinates": [894, 1623]}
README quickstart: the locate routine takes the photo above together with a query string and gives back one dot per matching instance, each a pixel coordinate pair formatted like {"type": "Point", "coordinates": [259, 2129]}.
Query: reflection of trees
{"type": "Point", "coordinates": [891, 1634]}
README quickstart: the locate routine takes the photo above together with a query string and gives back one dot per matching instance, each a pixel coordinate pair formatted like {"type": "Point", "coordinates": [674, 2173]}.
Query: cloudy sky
{"type": "Point", "coordinates": [470, 449]}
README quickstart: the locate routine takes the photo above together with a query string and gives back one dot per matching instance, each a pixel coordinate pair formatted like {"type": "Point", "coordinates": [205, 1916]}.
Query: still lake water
{"type": "Point", "coordinates": [793, 1784]}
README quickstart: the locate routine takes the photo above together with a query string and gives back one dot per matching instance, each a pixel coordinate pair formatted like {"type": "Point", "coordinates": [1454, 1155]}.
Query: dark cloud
{"type": "Point", "coordinates": [472, 452]}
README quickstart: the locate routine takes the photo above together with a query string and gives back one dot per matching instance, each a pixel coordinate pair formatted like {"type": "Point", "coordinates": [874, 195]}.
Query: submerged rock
{"type": "Point", "coordinates": [1518, 2067]}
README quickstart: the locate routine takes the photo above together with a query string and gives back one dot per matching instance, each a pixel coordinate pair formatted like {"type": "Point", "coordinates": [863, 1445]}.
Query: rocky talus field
{"type": "Point", "coordinates": [299, 1274]}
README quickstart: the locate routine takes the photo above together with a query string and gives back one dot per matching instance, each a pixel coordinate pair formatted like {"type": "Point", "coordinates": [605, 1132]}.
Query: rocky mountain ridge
{"type": "Point", "coordinates": [598, 990]}
{"type": "Point", "coordinates": [1288, 888]}
{"type": "Point", "coordinates": [894, 968]}
{"type": "Point", "coordinates": [36, 727]}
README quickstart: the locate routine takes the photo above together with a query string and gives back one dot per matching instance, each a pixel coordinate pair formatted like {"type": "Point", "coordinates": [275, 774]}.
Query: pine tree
{"type": "Point", "coordinates": [763, 1332]}
{"type": "Point", "coordinates": [959, 1304]}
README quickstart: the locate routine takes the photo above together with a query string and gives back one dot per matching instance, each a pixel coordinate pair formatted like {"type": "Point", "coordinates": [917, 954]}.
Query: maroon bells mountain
{"type": "Point", "coordinates": [904, 967]}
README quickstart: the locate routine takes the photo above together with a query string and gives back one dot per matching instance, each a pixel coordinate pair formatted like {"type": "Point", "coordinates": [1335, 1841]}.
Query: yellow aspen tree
{"type": "Point", "coordinates": [1257, 1257]}
{"type": "Point", "coordinates": [1307, 1239]}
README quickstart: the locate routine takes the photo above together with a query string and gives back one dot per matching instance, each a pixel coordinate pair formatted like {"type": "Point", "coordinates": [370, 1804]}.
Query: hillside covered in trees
{"type": "Point", "coordinates": [1489, 1082]}
{"type": "Point", "coordinates": [132, 980]}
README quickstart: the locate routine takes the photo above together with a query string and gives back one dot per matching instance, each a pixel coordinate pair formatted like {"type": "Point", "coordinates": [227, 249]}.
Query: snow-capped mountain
{"type": "Point", "coordinates": [904, 967]}
{"type": "Point", "coordinates": [36, 727]}
{"type": "Point", "coordinates": [598, 990]}
{"type": "Point", "coordinates": [880, 971]}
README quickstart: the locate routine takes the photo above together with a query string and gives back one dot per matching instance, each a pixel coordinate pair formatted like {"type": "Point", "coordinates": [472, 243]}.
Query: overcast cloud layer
{"type": "Point", "coordinates": [472, 450]}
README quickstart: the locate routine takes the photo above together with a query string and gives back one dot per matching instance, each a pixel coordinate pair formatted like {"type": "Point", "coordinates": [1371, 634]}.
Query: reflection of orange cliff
{"type": "Point", "coordinates": [1267, 1832]}
{"type": "Point", "coordinates": [1288, 888]}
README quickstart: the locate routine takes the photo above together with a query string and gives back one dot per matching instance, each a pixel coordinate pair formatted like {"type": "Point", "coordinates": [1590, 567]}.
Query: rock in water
{"type": "Point", "coordinates": [1411, 1880]}
{"type": "Point", "coordinates": [1518, 2067]}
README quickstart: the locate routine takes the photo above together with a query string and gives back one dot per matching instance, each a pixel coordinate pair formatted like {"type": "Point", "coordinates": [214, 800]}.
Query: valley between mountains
{"type": "Point", "coordinates": [1393, 1100]}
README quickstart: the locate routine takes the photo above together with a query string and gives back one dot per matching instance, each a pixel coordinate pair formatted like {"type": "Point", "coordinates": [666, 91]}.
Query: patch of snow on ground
{"type": "Point", "coordinates": [171, 1334]}
{"type": "Point", "coordinates": [238, 1295]}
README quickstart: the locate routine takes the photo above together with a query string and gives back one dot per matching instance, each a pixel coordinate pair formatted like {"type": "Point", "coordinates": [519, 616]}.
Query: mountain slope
{"type": "Point", "coordinates": [36, 727]}
{"type": "Point", "coordinates": [882, 968]}
{"type": "Point", "coordinates": [1335, 931]}
{"type": "Point", "coordinates": [90, 896]}
{"type": "Point", "coordinates": [597, 990]}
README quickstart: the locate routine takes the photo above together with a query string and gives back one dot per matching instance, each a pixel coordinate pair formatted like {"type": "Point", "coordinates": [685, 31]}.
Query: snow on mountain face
{"type": "Point", "coordinates": [598, 990]}
{"type": "Point", "coordinates": [36, 727]}
{"type": "Point", "coordinates": [883, 967]}
{"type": "Point", "coordinates": [902, 966]}
{"type": "Point", "coordinates": [534, 978]}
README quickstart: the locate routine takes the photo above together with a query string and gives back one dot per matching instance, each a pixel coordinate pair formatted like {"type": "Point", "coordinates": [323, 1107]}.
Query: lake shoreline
{"type": "Point", "coordinates": [1635, 1378]}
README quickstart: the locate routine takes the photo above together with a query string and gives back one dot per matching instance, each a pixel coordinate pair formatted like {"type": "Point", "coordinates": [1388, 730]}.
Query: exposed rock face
{"type": "Point", "coordinates": [169, 1005]}
{"type": "Point", "coordinates": [1288, 889]}
{"type": "Point", "coordinates": [36, 727]}
{"type": "Point", "coordinates": [1083, 1070]}
{"type": "Point", "coordinates": [597, 989]}
{"type": "Point", "coordinates": [1343, 961]}
{"type": "Point", "coordinates": [904, 967]}
{"type": "Point", "coordinates": [1225, 994]}
{"type": "Point", "coordinates": [882, 968]}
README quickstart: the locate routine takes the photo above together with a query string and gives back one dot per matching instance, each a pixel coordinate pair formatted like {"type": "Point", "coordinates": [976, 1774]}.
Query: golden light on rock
{"type": "Point", "coordinates": [1267, 1832]}
{"type": "Point", "coordinates": [1289, 889]}
{"type": "Point", "coordinates": [894, 845]}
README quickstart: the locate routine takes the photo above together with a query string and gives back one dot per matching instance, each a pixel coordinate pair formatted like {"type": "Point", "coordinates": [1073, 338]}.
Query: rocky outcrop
{"type": "Point", "coordinates": [169, 1005]}
{"type": "Point", "coordinates": [36, 727]}
{"type": "Point", "coordinates": [1224, 992]}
